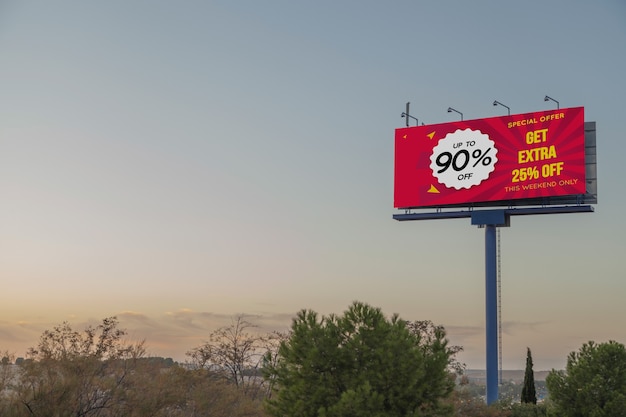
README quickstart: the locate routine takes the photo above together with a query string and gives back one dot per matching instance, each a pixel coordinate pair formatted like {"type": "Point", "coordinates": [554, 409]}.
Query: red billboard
{"type": "Point", "coordinates": [522, 156]}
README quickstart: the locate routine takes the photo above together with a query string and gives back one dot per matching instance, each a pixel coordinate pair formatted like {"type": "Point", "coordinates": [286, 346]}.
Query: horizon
{"type": "Point", "coordinates": [194, 328]}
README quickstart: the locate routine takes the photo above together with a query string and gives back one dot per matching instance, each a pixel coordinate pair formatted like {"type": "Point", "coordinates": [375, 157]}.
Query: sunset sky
{"type": "Point", "coordinates": [176, 163]}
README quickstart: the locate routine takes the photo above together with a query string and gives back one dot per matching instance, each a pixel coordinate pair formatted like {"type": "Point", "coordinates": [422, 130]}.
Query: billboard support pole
{"type": "Point", "coordinates": [491, 312]}
{"type": "Point", "coordinates": [490, 220]}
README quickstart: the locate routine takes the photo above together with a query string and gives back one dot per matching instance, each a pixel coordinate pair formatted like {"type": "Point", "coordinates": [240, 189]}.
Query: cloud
{"type": "Point", "coordinates": [190, 319]}
{"type": "Point", "coordinates": [464, 331]}
{"type": "Point", "coordinates": [17, 337]}
{"type": "Point", "coordinates": [174, 333]}
{"type": "Point", "coordinates": [136, 318]}
{"type": "Point", "coordinates": [515, 327]}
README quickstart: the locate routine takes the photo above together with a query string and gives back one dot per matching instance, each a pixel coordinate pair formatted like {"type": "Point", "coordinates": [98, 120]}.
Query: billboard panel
{"type": "Point", "coordinates": [529, 156]}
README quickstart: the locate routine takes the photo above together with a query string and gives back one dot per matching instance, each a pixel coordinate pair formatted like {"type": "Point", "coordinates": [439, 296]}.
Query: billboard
{"type": "Point", "coordinates": [524, 158]}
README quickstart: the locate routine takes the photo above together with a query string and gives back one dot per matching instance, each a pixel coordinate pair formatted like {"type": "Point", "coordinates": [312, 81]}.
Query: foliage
{"type": "Point", "coordinates": [428, 333]}
{"type": "Point", "coordinates": [468, 400]}
{"type": "Point", "coordinates": [593, 383]}
{"type": "Point", "coordinates": [529, 394]}
{"type": "Point", "coordinates": [466, 404]}
{"type": "Point", "coordinates": [180, 392]}
{"type": "Point", "coordinates": [95, 373]}
{"type": "Point", "coordinates": [528, 410]}
{"type": "Point", "coordinates": [359, 364]}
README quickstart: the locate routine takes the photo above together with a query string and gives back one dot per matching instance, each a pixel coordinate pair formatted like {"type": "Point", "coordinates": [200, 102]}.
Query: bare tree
{"type": "Point", "coordinates": [97, 373]}
{"type": "Point", "coordinates": [9, 376]}
{"type": "Point", "coordinates": [7, 372]}
{"type": "Point", "coordinates": [237, 354]}
{"type": "Point", "coordinates": [271, 346]}
{"type": "Point", "coordinates": [72, 373]}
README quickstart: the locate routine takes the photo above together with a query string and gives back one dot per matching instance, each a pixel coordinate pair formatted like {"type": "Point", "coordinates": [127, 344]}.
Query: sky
{"type": "Point", "coordinates": [176, 164]}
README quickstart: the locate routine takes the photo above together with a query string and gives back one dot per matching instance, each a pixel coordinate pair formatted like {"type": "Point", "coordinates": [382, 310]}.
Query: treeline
{"type": "Point", "coordinates": [96, 372]}
{"type": "Point", "coordinates": [236, 372]}
{"type": "Point", "coordinates": [357, 364]}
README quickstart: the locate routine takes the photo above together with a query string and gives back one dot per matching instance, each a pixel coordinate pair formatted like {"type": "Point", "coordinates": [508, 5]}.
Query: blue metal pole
{"type": "Point", "coordinates": [491, 309]}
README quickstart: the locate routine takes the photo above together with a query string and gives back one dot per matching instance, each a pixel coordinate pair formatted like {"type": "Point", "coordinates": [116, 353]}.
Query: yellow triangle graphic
{"type": "Point", "coordinates": [432, 189]}
{"type": "Point", "coordinates": [431, 135]}
{"type": "Point", "coordinates": [404, 137]}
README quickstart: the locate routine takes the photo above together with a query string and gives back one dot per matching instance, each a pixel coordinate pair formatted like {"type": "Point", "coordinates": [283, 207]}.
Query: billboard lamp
{"type": "Point", "coordinates": [450, 110]}
{"type": "Point", "coordinates": [546, 98]}
{"type": "Point", "coordinates": [496, 102]}
{"type": "Point", "coordinates": [407, 115]}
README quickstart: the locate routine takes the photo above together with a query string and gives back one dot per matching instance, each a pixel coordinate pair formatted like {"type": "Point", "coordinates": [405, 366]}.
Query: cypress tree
{"type": "Point", "coordinates": [529, 394]}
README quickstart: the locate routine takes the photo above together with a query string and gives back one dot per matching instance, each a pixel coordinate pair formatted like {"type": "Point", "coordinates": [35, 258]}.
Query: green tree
{"type": "Point", "coordinates": [593, 383]}
{"type": "Point", "coordinates": [359, 364]}
{"type": "Point", "coordinates": [529, 395]}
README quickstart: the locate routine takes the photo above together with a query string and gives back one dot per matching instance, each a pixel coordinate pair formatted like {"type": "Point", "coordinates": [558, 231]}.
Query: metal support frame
{"type": "Point", "coordinates": [491, 220]}
{"type": "Point", "coordinates": [470, 213]}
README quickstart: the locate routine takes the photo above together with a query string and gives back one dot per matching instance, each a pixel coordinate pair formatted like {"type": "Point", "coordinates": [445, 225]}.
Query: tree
{"type": "Point", "coordinates": [593, 383]}
{"type": "Point", "coordinates": [237, 354]}
{"type": "Point", "coordinates": [428, 333]}
{"type": "Point", "coordinates": [72, 373]}
{"type": "Point", "coordinates": [359, 364]}
{"type": "Point", "coordinates": [529, 395]}
{"type": "Point", "coordinates": [9, 375]}
{"type": "Point", "coordinates": [205, 395]}
{"type": "Point", "coordinates": [96, 373]}
{"type": "Point", "coordinates": [175, 391]}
